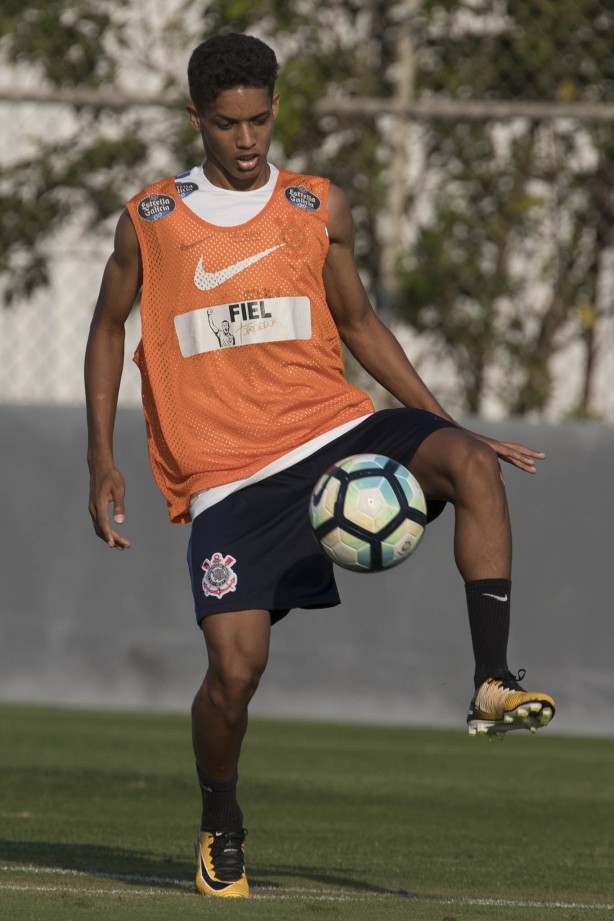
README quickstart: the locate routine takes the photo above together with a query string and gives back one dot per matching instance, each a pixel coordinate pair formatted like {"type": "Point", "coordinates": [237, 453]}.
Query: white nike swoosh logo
{"type": "Point", "coordinates": [215, 885]}
{"type": "Point", "coordinates": [496, 597]}
{"type": "Point", "coordinates": [205, 281]}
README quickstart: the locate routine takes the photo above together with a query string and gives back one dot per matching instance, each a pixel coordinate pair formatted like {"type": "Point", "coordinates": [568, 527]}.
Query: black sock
{"type": "Point", "coordinates": [488, 605]}
{"type": "Point", "coordinates": [220, 808]}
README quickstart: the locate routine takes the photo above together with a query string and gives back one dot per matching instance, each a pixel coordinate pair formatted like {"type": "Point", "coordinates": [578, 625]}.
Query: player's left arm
{"type": "Point", "coordinates": [371, 342]}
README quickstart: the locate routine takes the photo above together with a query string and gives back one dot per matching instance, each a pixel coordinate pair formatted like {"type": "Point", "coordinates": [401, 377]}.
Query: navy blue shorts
{"type": "Point", "coordinates": [256, 550]}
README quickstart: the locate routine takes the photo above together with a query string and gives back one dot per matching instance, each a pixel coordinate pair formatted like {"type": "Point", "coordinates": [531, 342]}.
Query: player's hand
{"type": "Point", "coordinates": [516, 454]}
{"type": "Point", "coordinates": [107, 487]}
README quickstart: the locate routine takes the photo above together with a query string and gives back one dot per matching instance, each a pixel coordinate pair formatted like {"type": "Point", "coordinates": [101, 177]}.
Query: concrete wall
{"type": "Point", "coordinates": [84, 625]}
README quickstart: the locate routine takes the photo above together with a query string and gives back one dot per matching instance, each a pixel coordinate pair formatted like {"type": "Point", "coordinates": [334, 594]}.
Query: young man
{"type": "Point", "coordinates": [249, 284]}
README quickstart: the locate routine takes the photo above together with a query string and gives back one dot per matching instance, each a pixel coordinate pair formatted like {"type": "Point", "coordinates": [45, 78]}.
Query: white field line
{"type": "Point", "coordinates": [270, 893]}
{"type": "Point", "coordinates": [120, 877]}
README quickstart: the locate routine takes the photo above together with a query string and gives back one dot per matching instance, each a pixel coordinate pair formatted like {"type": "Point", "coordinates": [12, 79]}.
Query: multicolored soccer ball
{"type": "Point", "coordinates": [368, 513]}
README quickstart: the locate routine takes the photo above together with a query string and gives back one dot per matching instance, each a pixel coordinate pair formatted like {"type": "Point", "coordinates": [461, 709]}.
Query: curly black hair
{"type": "Point", "coordinates": [226, 61]}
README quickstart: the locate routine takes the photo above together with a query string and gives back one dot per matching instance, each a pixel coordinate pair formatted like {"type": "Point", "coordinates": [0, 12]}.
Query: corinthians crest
{"type": "Point", "coordinates": [219, 576]}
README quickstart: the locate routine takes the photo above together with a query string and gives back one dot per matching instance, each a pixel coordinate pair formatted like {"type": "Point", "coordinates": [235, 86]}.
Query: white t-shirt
{"type": "Point", "coordinates": [223, 207]}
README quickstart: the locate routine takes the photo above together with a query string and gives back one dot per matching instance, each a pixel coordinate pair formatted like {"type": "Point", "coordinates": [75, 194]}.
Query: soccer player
{"type": "Point", "coordinates": [238, 435]}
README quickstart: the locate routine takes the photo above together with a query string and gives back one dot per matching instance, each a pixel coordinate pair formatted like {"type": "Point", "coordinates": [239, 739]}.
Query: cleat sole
{"type": "Point", "coordinates": [492, 713]}
{"type": "Point", "coordinates": [530, 717]}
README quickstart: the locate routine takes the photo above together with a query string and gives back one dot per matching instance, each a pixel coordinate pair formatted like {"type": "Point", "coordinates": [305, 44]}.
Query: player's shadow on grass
{"type": "Point", "coordinates": [98, 860]}
{"type": "Point", "coordinates": [269, 877]}
{"type": "Point", "coordinates": [134, 868]}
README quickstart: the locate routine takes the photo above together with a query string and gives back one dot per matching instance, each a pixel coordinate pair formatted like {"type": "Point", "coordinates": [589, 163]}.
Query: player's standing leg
{"type": "Point", "coordinates": [238, 648]}
{"type": "Point", "coordinates": [453, 465]}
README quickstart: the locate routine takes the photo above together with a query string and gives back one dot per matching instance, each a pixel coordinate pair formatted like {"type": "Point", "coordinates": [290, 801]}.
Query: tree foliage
{"type": "Point", "coordinates": [511, 224]}
{"type": "Point", "coordinates": [507, 267]}
{"type": "Point", "coordinates": [107, 155]}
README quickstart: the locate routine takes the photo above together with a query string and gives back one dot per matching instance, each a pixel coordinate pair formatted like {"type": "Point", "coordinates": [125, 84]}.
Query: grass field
{"type": "Point", "coordinates": [98, 810]}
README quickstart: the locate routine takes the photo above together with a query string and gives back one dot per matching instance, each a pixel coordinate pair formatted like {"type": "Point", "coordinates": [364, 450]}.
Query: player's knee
{"type": "Point", "coordinates": [478, 464]}
{"type": "Point", "coordinates": [232, 686]}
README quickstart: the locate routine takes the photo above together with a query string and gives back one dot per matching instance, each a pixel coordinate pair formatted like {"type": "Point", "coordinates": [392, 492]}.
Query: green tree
{"type": "Point", "coordinates": [83, 170]}
{"type": "Point", "coordinates": [508, 264]}
{"type": "Point", "coordinates": [110, 153]}
{"type": "Point", "coordinates": [512, 231]}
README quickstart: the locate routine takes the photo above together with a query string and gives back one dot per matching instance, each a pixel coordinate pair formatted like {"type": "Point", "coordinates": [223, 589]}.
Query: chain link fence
{"type": "Point", "coordinates": [498, 122]}
{"type": "Point", "coordinates": [43, 335]}
{"type": "Point", "coordinates": [42, 339]}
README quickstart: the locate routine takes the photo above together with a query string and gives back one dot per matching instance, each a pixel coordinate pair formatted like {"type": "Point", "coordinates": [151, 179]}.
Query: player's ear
{"type": "Point", "coordinates": [275, 104]}
{"type": "Point", "coordinates": [193, 117]}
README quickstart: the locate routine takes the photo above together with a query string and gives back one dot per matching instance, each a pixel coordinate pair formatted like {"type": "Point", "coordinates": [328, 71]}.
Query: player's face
{"type": "Point", "coordinates": [236, 130]}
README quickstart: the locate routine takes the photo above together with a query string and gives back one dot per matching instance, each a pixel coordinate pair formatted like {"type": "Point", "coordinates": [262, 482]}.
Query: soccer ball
{"type": "Point", "coordinates": [367, 512]}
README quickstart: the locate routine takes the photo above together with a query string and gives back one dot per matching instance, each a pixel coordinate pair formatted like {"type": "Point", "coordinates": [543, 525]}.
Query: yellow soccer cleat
{"type": "Point", "coordinates": [220, 865]}
{"type": "Point", "coordinates": [501, 704]}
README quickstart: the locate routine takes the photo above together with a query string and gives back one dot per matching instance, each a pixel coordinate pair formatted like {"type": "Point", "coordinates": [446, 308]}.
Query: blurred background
{"type": "Point", "coordinates": [475, 141]}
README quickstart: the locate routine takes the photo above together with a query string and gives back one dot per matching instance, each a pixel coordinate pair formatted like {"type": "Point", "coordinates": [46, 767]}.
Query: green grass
{"type": "Point", "coordinates": [97, 813]}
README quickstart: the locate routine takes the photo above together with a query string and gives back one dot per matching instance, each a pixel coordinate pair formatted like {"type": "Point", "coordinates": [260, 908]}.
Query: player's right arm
{"type": "Point", "coordinates": [104, 361]}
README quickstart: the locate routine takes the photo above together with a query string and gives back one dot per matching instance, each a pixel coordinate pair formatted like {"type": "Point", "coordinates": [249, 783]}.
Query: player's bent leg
{"type": "Point", "coordinates": [237, 646]}
{"type": "Point", "coordinates": [455, 466]}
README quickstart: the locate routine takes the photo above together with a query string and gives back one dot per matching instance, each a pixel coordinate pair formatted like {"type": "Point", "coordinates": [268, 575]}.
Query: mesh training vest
{"type": "Point", "coordinates": [239, 356]}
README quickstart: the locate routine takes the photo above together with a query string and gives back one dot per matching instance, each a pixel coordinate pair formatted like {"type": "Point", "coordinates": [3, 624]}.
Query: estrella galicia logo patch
{"type": "Point", "coordinates": [301, 197]}
{"type": "Point", "coordinates": [155, 206]}
{"type": "Point", "coordinates": [219, 577]}
{"type": "Point", "coordinates": [185, 188]}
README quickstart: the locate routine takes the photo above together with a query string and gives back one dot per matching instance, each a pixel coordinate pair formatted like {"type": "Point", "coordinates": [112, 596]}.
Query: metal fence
{"type": "Point", "coordinates": [532, 79]}
{"type": "Point", "coordinates": [42, 339]}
